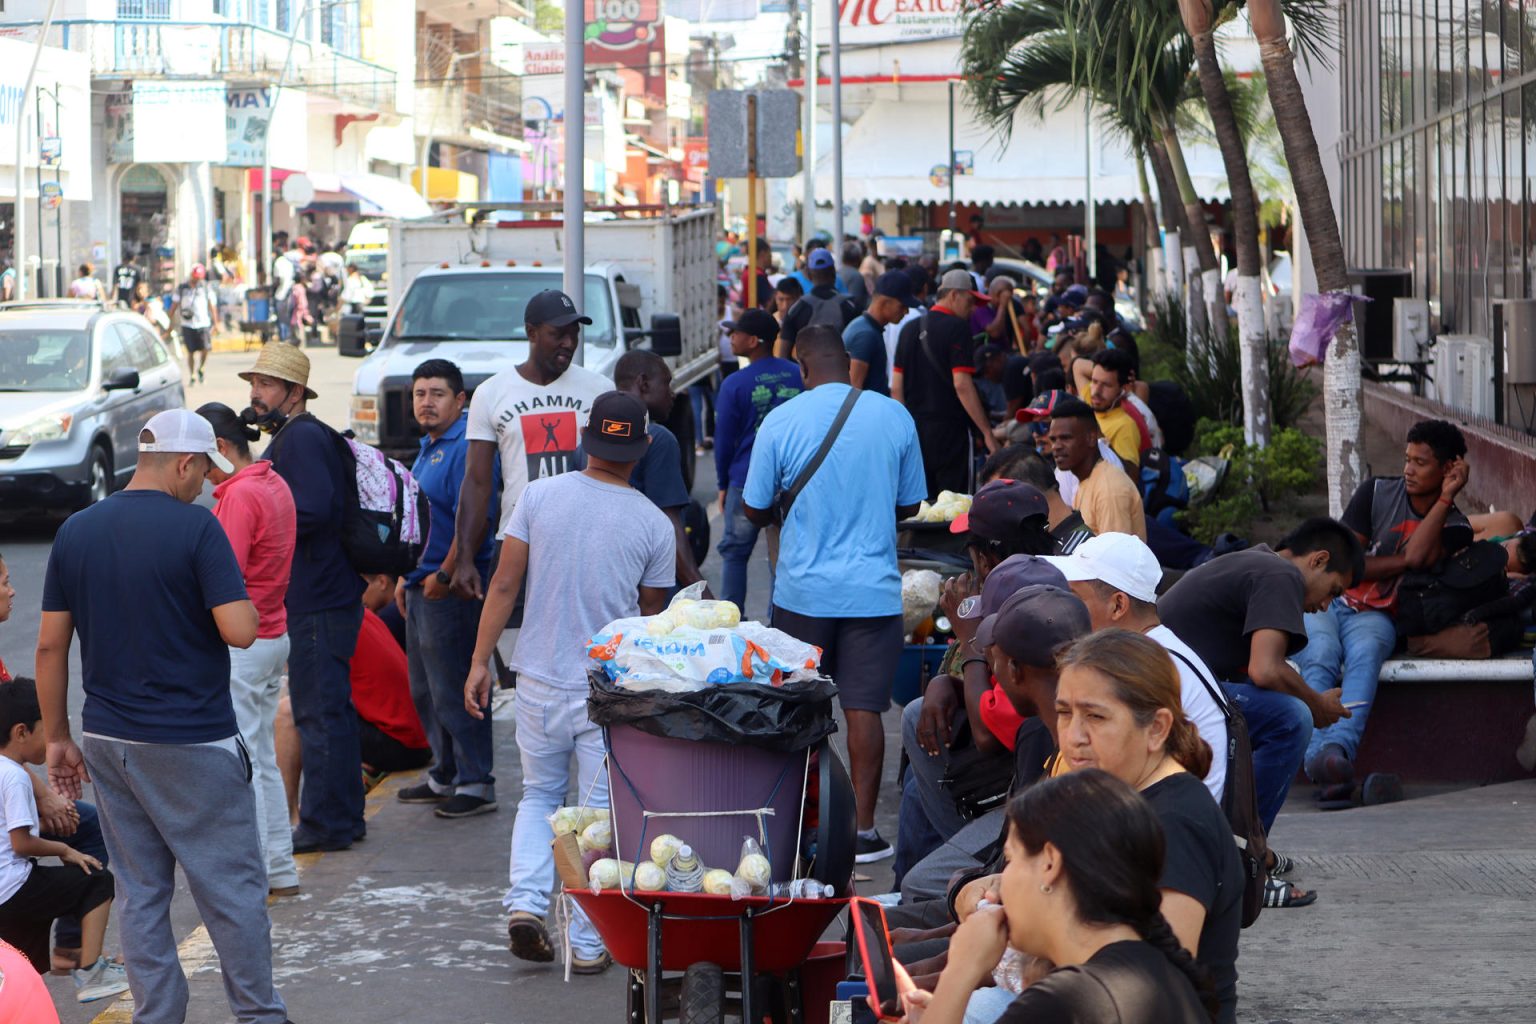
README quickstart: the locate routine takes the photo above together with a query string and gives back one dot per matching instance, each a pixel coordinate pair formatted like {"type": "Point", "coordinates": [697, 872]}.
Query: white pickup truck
{"type": "Point", "coordinates": [457, 292]}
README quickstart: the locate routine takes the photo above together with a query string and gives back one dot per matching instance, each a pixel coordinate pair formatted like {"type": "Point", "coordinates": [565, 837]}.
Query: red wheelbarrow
{"type": "Point", "coordinates": [706, 938]}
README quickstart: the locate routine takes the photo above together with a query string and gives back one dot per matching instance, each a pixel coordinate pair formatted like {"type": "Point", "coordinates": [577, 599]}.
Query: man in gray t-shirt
{"type": "Point", "coordinates": [593, 549]}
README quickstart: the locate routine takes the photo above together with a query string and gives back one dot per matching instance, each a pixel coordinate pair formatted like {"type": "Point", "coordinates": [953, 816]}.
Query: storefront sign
{"type": "Point", "coordinates": [178, 121]}
{"type": "Point", "coordinates": [53, 194]}
{"type": "Point", "coordinates": [889, 21]}
{"type": "Point", "coordinates": [696, 159]}
{"type": "Point", "coordinates": [62, 140]}
{"type": "Point", "coordinates": [247, 115]}
{"type": "Point", "coordinates": [616, 27]}
{"type": "Point", "coordinates": [543, 59]}
{"type": "Point", "coordinates": [50, 150]}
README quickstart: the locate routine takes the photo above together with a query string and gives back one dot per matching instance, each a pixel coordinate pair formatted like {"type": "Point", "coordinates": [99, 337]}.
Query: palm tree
{"type": "Point", "coordinates": [1341, 370]}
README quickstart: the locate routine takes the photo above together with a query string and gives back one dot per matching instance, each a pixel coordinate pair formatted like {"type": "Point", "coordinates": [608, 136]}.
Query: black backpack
{"type": "Point", "coordinates": [1430, 601]}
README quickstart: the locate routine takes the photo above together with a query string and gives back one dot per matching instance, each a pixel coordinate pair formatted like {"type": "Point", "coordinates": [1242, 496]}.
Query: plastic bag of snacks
{"type": "Point", "coordinates": [919, 597]}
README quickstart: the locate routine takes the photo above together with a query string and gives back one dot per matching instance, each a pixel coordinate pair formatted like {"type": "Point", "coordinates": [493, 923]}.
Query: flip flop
{"type": "Point", "coordinates": [1281, 895]}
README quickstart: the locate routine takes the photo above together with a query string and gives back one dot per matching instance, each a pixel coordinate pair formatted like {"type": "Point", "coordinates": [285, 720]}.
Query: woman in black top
{"type": "Point", "coordinates": [1080, 890]}
{"type": "Point", "coordinates": [1118, 709]}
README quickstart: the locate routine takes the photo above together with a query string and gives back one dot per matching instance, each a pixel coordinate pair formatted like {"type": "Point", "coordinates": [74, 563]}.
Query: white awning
{"type": "Point", "coordinates": [894, 146]}
{"type": "Point", "coordinates": [387, 196]}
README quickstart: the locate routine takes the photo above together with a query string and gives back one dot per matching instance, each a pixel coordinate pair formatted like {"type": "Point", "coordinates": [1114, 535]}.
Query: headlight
{"type": "Point", "coordinates": [365, 418]}
{"type": "Point", "coordinates": [44, 428]}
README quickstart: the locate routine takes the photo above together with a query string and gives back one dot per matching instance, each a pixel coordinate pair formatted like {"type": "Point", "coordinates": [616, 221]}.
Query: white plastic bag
{"type": "Point", "coordinates": [919, 597]}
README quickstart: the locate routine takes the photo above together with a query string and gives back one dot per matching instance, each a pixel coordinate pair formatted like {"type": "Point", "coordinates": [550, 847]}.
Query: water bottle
{"type": "Point", "coordinates": [1009, 972]}
{"type": "Point", "coordinates": [802, 889]}
{"type": "Point", "coordinates": [684, 872]}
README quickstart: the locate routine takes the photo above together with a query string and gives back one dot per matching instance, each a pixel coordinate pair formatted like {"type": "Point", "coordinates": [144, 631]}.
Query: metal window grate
{"type": "Point", "coordinates": [144, 10]}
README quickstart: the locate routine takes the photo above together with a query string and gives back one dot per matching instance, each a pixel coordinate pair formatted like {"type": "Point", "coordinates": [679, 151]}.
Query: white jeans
{"type": "Point", "coordinates": [551, 725]}
{"type": "Point", "coordinates": [255, 680]}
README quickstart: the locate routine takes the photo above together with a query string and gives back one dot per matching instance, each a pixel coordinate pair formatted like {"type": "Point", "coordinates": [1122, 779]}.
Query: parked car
{"type": "Point", "coordinates": [78, 381]}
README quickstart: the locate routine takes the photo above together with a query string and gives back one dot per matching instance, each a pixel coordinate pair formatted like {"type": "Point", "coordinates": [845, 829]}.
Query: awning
{"type": "Point", "coordinates": [892, 149]}
{"type": "Point", "coordinates": [388, 197]}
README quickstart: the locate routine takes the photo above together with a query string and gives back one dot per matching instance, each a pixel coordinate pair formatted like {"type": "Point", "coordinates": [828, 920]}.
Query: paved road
{"type": "Point", "coordinates": [1424, 917]}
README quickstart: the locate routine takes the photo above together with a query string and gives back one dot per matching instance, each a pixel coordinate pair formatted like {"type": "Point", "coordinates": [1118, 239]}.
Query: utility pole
{"type": "Point", "coordinates": [1090, 212]}
{"type": "Point", "coordinates": [952, 215]}
{"type": "Point", "coordinates": [837, 131]}
{"type": "Point", "coordinates": [575, 157]}
{"type": "Point", "coordinates": [752, 200]}
{"type": "Point", "coordinates": [812, 72]}
{"type": "Point", "coordinates": [265, 246]}
{"type": "Point", "coordinates": [19, 220]}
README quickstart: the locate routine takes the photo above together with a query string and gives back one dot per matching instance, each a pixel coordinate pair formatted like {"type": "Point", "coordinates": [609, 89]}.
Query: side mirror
{"type": "Point", "coordinates": [352, 336]}
{"type": "Point", "coordinates": [124, 378]}
{"type": "Point", "coordinates": [667, 334]}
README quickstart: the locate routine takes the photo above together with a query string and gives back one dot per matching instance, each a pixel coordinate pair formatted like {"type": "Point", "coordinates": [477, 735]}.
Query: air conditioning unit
{"type": "Point", "coordinates": [1410, 329]}
{"type": "Point", "coordinates": [1462, 373]}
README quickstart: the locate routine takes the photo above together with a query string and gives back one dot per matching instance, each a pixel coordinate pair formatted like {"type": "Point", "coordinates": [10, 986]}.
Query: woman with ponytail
{"type": "Point", "coordinates": [1119, 710]}
{"type": "Point", "coordinates": [255, 507]}
{"type": "Point", "coordinates": [1079, 891]}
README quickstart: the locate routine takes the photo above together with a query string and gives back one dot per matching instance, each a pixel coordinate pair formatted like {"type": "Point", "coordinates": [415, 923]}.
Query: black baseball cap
{"type": "Point", "coordinates": [757, 322]}
{"type": "Point", "coordinates": [895, 284]}
{"type": "Point", "coordinates": [617, 429]}
{"type": "Point", "coordinates": [1035, 623]}
{"type": "Point", "coordinates": [555, 308]}
{"type": "Point", "coordinates": [999, 509]}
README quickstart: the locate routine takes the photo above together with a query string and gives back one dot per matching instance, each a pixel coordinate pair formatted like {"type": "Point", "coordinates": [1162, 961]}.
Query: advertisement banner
{"type": "Point", "coordinates": [696, 159]}
{"type": "Point", "coordinates": [178, 121]}
{"type": "Point", "coordinates": [618, 27]}
{"type": "Point", "coordinates": [894, 21]}
{"type": "Point", "coordinates": [248, 109]}
{"type": "Point", "coordinates": [543, 58]}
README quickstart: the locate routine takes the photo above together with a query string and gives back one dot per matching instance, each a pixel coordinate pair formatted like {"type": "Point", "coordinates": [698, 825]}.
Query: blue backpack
{"type": "Point", "coordinates": [1164, 490]}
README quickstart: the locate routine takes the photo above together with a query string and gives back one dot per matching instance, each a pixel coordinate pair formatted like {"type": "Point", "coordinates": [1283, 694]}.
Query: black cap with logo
{"type": "Point", "coordinates": [757, 322]}
{"type": "Point", "coordinates": [554, 308]}
{"type": "Point", "coordinates": [617, 429]}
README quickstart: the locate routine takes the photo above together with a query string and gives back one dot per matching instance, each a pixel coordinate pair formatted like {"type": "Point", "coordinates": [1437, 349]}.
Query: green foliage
{"type": "Point", "coordinates": [549, 16]}
{"type": "Point", "coordinates": [1213, 379]}
{"type": "Point", "coordinates": [1168, 322]}
{"type": "Point", "coordinates": [1258, 480]}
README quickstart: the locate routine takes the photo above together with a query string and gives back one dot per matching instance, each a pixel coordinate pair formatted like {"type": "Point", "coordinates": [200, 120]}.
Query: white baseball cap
{"type": "Point", "coordinates": [183, 432]}
{"type": "Point", "coordinates": [1118, 560]}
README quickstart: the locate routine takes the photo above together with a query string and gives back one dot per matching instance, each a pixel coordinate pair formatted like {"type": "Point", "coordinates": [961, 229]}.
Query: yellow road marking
{"type": "Point", "coordinates": [197, 948]}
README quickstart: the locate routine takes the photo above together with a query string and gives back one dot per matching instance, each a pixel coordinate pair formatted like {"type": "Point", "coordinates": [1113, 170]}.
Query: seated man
{"type": "Point", "coordinates": [1106, 497]}
{"type": "Point", "coordinates": [389, 731]}
{"type": "Point", "coordinates": [1407, 523]}
{"type": "Point", "coordinates": [1127, 434]}
{"type": "Point", "coordinates": [1243, 614]}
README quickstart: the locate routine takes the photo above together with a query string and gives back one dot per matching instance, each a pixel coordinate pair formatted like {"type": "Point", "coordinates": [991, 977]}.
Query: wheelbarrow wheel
{"type": "Point", "coordinates": [702, 1000]}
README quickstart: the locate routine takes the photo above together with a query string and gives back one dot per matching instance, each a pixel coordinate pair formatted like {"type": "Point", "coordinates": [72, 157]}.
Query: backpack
{"type": "Point", "coordinates": [1430, 601]}
{"type": "Point", "coordinates": [1240, 799]}
{"type": "Point", "coordinates": [825, 311]}
{"type": "Point", "coordinates": [1163, 485]}
{"type": "Point", "coordinates": [384, 519]}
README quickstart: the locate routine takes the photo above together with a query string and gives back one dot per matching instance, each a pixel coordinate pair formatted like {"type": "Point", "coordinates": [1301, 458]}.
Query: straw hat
{"type": "Point", "coordinates": [283, 361]}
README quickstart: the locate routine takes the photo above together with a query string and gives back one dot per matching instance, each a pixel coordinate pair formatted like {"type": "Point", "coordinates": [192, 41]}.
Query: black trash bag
{"type": "Point", "coordinates": [787, 718]}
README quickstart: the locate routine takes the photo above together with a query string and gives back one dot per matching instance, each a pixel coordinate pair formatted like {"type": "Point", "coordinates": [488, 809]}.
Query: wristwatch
{"type": "Point", "coordinates": [443, 578]}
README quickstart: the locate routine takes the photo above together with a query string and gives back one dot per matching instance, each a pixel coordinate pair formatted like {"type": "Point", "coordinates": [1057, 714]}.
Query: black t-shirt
{"type": "Point", "coordinates": [1202, 863]}
{"type": "Point", "coordinates": [1069, 533]}
{"type": "Point", "coordinates": [927, 366]}
{"type": "Point", "coordinates": [127, 277]}
{"type": "Point", "coordinates": [1380, 512]}
{"type": "Point", "coordinates": [1126, 982]}
{"type": "Point", "coordinates": [1032, 750]}
{"type": "Point", "coordinates": [1216, 607]}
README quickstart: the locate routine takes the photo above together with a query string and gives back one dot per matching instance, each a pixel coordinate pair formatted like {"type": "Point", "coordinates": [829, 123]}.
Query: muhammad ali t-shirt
{"type": "Point", "coordinates": [536, 427]}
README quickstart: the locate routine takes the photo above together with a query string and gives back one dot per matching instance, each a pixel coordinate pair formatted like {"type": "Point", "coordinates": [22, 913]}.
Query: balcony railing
{"type": "Point", "coordinates": [145, 48]}
{"type": "Point", "coordinates": [451, 110]}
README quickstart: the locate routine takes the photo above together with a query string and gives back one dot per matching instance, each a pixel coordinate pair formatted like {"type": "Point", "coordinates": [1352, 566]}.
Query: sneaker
{"type": "Point", "coordinates": [867, 850]}
{"type": "Point", "coordinates": [528, 939]}
{"type": "Point", "coordinates": [422, 793]}
{"type": "Point", "coordinates": [101, 980]}
{"type": "Point", "coordinates": [199, 376]}
{"type": "Point", "coordinates": [462, 805]}
{"type": "Point", "coordinates": [1330, 766]}
{"type": "Point", "coordinates": [591, 965]}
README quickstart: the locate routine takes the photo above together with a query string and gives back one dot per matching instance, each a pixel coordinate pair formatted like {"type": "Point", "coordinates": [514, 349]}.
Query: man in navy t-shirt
{"type": "Point", "coordinates": [150, 583]}
{"type": "Point", "coordinates": [324, 602]}
{"type": "Point", "coordinates": [865, 337]}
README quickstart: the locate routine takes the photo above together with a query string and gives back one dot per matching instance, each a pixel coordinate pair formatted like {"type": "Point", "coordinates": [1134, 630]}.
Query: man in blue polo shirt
{"type": "Point", "coordinates": [865, 336]}
{"type": "Point", "coordinates": [837, 584]}
{"type": "Point", "coordinates": [439, 625]}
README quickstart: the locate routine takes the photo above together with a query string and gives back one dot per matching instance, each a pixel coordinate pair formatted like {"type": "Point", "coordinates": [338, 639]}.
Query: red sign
{"type": "Point", "coordinates": [696, 160]}
{"type": "Point", "coordinates": [616, 26]}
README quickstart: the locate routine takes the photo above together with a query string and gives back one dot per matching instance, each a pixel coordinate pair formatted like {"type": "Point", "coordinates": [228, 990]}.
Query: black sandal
{"type": "Point", "coordinates": [1283, 865]}
{"type": "Point", "coordinates": [1280, 895]}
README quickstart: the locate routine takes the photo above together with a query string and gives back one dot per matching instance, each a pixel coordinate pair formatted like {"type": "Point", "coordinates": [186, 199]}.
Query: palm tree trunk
{"type": "Point", "coordinates": [1248, 295]}
{"type": "Point", "coordinates": [1205, 250]}
{"type": "Point", "coordinates": [1152, 280]}
{"type": "Point", "coordinates": [1179, 276]}
{"type": "Point", "coordinates": [1341, 368]}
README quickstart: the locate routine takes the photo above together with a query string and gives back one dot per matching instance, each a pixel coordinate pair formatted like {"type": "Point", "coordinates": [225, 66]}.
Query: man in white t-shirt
{"type": "Point", "coordinates": [1116, 576]}
{"type": "Point", "coordinates": [530, 417]}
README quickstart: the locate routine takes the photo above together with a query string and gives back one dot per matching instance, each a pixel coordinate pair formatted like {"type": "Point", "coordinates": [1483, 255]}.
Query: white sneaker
{"type": "Point", "coordinates": [101, 980]}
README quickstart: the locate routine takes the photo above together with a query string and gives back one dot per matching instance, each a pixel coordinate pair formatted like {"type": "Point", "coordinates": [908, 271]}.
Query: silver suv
{"type": "Point", "coordinates": [78, 381]}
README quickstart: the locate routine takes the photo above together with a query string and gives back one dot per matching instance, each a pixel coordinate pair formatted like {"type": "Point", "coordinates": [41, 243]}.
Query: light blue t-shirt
{"type": "Point", "coordinates": [837, 557]}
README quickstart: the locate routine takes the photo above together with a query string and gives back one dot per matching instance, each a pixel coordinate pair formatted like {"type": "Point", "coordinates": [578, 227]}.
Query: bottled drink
{"type": "Point", "coordinates": [684, 872]}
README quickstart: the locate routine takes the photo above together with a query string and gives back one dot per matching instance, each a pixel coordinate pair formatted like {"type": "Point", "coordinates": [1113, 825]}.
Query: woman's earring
{"type": "Point", "coordinates": [1046, 889]}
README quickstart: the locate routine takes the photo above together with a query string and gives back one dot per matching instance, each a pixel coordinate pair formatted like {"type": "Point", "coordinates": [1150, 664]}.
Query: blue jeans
{"type": "Point", "coordinates": [86, 838]}
{"type": "Point", "coordinates": [1345, 648]}
{"type": "Point", "coordinates": [928, 813]}
{"type": "Point", "coordinates": [1279, 727]}
{"type": "Point", "coordinates": [739, 538]}
{"type": "Point", "coordinates": [320, 693]}
{"type": "Point", "coordinates": [552, 724]}
{"type": "Point", "coordinates": [441, 643]}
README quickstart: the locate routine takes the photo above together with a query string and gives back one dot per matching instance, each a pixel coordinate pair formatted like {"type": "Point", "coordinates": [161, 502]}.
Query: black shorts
{"type": "Point", "coordinates": [383, 753]}
{"type": "Point", "coordinates": [194, 338]}
{"type": "Point", "coordinates": [861, 655]}
{"type": "Point", "coordinates": [50, 892]}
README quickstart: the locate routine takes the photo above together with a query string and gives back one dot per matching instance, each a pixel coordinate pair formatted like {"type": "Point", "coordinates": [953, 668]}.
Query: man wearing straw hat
{"type": "Point", "coordinates": [324, 600]}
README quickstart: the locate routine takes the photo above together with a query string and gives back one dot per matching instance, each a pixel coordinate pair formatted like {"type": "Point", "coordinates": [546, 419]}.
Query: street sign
{"type": "Point", "coordinates": [297, 190]}
{"type": "Point", "coordinates": [50, 149]}
{"type": "Point", "coordinates": [778, 133]}
{"type": "Point", "coordinates": [53, 194]}
{"type": "Point", "coordinates": [965, 161]}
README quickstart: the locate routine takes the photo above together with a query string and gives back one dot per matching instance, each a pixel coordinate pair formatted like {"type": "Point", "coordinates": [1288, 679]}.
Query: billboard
{"type": "Point", "coordinates": [894, 21]}
{"type": "Point", "coordinates": [616, 28]}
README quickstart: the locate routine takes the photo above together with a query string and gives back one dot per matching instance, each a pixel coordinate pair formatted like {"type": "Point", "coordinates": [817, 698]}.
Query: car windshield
{"type": "Point", "coordinates": [371, 262]}
{"type": "Point", "coordinates": [489, 307]}
{"type": "Point", "coordinates": [44, 359]}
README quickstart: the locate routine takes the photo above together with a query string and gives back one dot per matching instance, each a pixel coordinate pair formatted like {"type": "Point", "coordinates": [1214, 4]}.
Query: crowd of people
{"type": "Point", "coordinates": [1072, 780]}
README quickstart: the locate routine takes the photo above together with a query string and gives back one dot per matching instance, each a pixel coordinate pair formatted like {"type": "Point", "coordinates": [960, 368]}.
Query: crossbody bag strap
{"type": "Point", "coordinates": [1210, 688]}
{"type": "Point", "coordinates": [821, 453]}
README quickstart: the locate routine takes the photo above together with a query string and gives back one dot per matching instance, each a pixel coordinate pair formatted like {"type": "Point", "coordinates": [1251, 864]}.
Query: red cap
{"type": "Point", "coordinates": [198, 273]}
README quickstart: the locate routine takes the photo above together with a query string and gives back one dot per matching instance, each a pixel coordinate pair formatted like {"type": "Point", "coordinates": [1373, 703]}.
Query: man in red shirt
{"type": "Point", "coordinates": [389, 731]}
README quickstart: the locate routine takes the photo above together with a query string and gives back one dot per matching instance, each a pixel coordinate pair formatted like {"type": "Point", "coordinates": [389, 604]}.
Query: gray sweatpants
{"type": "Point", "coordinates": [163, 805]}
{"type": "Point", "coordinates": [929, 879]}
